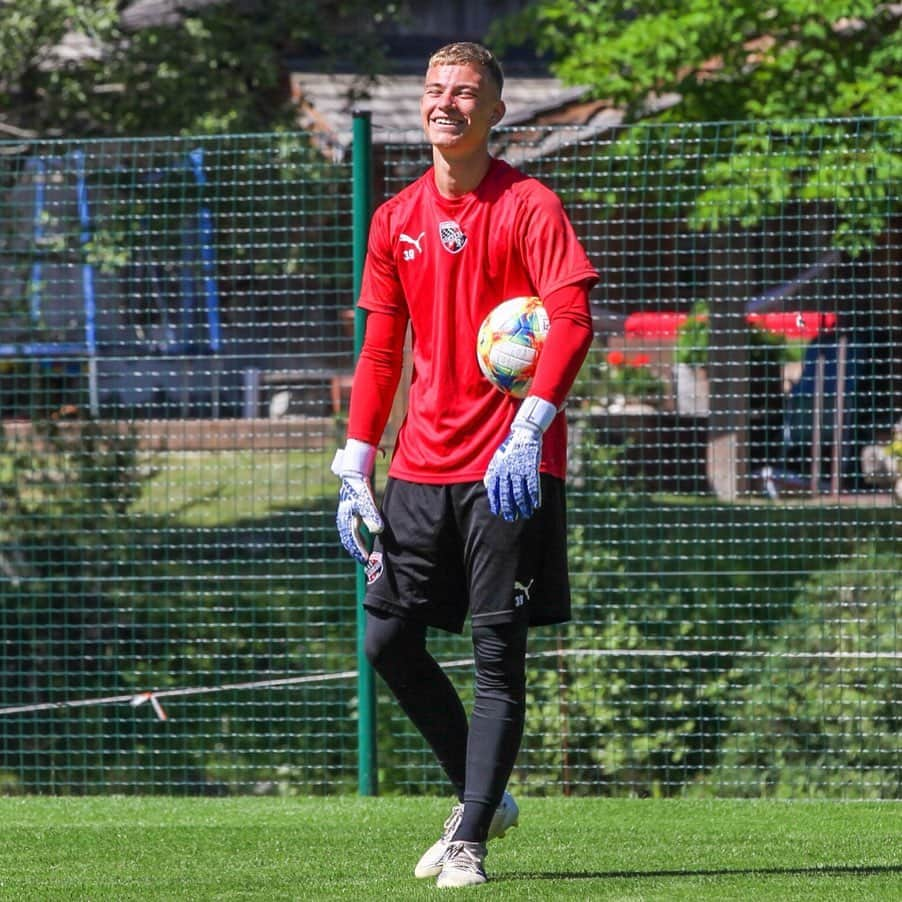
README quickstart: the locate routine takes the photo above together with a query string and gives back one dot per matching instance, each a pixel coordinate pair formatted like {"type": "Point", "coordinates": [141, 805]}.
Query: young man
{"type": "Point", "coordinates": [468, 524]}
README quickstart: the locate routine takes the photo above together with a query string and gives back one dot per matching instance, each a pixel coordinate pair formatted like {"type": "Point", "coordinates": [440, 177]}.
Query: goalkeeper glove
{"type": "Point", "coordinates": [512, 478]}
{"type": "Point", "coordinates": [356, 505]}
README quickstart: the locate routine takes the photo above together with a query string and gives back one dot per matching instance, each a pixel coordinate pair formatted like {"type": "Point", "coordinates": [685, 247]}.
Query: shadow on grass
{"type": "Point", "coordinates": [814, 871]}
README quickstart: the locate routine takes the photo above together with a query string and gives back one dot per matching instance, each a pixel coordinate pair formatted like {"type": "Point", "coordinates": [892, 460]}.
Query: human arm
{"type": "Point", "coordinates": [376, 378]}
{"type": "Point", "coordinates": [568, 341]}
{"type": "Point", "coordinates": [512, 477]}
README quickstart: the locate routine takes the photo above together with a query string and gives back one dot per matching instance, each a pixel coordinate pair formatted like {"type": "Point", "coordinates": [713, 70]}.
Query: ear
{"type": "Point", "coordinates": [498, 112]}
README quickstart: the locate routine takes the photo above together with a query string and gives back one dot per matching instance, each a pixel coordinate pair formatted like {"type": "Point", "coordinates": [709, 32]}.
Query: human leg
{"type": "Point", "coordinates": [496, 725]}
{"type": "Point", "coordinates": [518, 577]}
{"type": "Point", "coordinates": [496, 728]}
{"type": "Point", "coordinates": [396, 647]}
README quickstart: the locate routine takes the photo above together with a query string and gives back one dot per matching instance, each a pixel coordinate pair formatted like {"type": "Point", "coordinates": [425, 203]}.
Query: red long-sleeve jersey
{"type": "Point", "coordinates": [442, 264]}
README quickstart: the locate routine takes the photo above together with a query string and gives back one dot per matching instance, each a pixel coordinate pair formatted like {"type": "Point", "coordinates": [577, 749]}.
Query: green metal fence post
{"type": "Point", "coordinates": [366, 688]}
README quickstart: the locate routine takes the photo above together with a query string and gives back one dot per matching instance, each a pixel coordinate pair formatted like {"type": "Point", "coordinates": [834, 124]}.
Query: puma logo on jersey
{"type": "Point", "coordinates": [411, 252]}
{"type": "Point", "coordinates": [521, 593]}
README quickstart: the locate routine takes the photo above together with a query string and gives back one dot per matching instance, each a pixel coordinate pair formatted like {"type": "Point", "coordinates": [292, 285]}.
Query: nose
{"type": "Point", "coordinates": [446, 101]}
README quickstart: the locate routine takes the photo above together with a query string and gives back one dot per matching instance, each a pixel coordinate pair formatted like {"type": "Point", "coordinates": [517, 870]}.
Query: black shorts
{"type": "Point", "coordinates": [443, 553]}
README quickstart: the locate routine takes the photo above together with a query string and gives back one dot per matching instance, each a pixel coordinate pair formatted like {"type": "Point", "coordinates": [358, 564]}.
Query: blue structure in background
{"type": "Point", "coordinates": [814, 399]}
{"type": "Point", "coordinates": [207, 255]}
{"type": "Point", "coordinates": [197, 248]}
{"type": "Point", "coordinates": [820, 422]}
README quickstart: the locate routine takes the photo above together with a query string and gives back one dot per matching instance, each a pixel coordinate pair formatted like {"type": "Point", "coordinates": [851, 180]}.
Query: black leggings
{"type": "Point", "coordinates": [477, 759]}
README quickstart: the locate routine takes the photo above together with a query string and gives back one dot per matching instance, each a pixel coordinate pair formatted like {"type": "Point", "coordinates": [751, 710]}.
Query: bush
{"type": "Point", "coordinates": [683, 675]}
{"type": "Point", "coordinates": [613, 719]}
{"type": "Point", "coordinates": [818, 712]}
{"type": "Point", "coordinates": [66, 488]}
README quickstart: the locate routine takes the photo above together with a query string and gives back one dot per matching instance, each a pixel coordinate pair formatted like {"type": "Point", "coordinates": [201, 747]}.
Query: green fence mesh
{"type": "Point", "coordinates": [176, 339]}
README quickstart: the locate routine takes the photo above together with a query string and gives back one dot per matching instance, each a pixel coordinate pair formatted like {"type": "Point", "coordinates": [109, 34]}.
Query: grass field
{"type": "Point", "coordinates": [351, 848]}
{"type": "Point", "coordinates": [204, 488]}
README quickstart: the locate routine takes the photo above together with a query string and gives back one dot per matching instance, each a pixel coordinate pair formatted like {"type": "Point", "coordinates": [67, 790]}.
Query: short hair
{"type": "Point", "coordinates": [463, 53]}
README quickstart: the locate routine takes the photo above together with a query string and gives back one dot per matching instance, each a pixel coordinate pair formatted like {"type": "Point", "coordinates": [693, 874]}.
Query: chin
{"type": "Point", "coordinates": [438, 134]}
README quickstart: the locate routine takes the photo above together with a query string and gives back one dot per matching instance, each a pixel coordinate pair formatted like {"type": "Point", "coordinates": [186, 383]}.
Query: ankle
{"type": "Point", "coordinates": [475, 822]}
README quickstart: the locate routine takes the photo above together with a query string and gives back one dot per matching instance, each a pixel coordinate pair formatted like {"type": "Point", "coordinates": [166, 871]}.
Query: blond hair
{"type": "Point", "coordinates": [467, 53]}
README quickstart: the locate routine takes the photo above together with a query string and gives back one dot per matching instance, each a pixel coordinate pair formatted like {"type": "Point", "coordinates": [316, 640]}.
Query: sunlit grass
{"type": "Point", "coordinates": [215, 488]}
{"type": "Point", "coordinates": [352, 848]}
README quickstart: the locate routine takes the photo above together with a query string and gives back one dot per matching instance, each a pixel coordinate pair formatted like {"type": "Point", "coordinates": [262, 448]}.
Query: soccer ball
{"type": "Point", "coordinates": [509, 342]}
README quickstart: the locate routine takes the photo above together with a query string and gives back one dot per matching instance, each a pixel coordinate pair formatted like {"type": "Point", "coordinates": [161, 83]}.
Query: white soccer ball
{"type": "Point", "coordinates": [509, 343]}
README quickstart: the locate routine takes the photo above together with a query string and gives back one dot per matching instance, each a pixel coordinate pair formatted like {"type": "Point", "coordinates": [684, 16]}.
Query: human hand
{"type": "Point", "coordinates": [356, 505]}
{"type": "Point", "coordinates": [512, 478]}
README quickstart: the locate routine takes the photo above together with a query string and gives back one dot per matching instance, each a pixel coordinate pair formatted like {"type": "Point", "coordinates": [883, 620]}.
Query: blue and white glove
{"type": "Point", "coordinates": [512, 478]}
{"type": "Point", "coordinates": [353, 465]}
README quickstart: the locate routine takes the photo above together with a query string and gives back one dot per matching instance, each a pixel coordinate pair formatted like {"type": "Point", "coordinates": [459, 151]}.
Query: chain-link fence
{"type": "Point", "coordinates": [177, 339]}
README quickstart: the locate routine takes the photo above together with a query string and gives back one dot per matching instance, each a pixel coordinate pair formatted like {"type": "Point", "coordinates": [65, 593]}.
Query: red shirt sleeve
{"type": "Point", "coordinates": [380, 287]}
{"type": "Point", "coordinates": [378, 369]}
{"type": "Point", "coordinates": [567, 344]}
{"type": "Point", "coordinates": [376, 375]}
{"type": "Point", "coordinates": [549, 246]}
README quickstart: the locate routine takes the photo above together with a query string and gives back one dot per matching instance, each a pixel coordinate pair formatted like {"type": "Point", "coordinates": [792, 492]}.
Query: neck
{"type": "Point", "coordinates": [457, 177]}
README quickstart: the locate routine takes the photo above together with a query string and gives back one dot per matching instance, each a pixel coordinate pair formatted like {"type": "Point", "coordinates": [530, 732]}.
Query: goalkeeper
{"type": "Point", "coordinates": [473, 514]}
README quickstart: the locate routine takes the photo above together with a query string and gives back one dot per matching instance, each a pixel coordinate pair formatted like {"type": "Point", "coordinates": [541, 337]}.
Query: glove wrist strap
{"type": "Point", "coordinates": [535, 414]}
{"type": "Point", "coordinates": [355, 457]}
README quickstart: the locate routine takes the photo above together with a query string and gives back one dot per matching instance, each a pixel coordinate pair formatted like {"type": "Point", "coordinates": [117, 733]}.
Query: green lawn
{"type": "Point", "coordinates": [351, 848]}
{"type": "Point", "coordinates": [212, 488]}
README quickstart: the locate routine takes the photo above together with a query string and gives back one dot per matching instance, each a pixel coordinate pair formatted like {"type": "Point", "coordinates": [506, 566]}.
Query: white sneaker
{"type": "Point", "coordinates": [463, 865]}
{"type": "Point", "coordinates": [507, 815]}
{"type": "Point", "coordinates": [430, 864]}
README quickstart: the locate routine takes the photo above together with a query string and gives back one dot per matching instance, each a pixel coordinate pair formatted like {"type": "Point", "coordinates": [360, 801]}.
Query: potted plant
{"type": "Point", "coordinates": [690, 375]}
{"type": "Point", "coordinates": [769, 352]}
{"type": "Point", "coordinates": [627, 379]}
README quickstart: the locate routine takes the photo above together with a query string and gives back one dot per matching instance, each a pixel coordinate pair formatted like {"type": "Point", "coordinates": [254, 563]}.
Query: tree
{"type": "Point", "coordinates": [770, 65]}
{"type": "Point", "coordinates": [81, 68]}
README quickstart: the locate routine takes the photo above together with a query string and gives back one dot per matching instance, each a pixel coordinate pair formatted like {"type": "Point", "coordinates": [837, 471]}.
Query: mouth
{"type": "Point", "coordinates": [445, 122]}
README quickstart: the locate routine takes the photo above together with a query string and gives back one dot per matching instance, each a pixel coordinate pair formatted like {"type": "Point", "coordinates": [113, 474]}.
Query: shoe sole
{"type": "Point", "coordinates": [462, 884]}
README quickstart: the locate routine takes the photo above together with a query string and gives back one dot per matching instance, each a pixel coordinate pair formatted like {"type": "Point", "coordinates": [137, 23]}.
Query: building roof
{"type": "Point", "coordinates": [152, 13]}
{"type": "Point", "coordinates": [327, 102]}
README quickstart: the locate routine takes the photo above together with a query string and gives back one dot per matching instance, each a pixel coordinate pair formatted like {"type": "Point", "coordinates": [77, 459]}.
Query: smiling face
{"type": "Point", "coordinates": [460, 104]}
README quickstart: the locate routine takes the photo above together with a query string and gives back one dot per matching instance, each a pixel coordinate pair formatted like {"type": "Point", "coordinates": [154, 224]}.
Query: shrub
{"type": "Point", "coordinates": [66, 488]}
{"type": "Point", "coordinates": [611, 718]}
{"type": "Point", "coordinates": [818, 713]}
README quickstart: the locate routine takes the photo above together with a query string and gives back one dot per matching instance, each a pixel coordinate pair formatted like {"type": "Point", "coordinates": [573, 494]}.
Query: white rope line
{"type": "Point", "coordinates": [712, 653]}
{"type": "Point", "coordinates": [154, 696]}
{"type": "Point", "coordinates": [135, 699]}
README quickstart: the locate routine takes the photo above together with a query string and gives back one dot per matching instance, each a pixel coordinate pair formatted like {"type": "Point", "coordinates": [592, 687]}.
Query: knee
{"type": "Point", "coordinates": [500, 658]}
{"type": "Point", "coordinates": [389, 642]}
{"type": "Point", "coordinates": [377, 648]}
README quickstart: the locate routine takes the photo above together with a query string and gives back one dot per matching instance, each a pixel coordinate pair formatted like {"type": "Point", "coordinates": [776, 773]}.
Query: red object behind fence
{"type": "Point", "coordinates": [805, 324]}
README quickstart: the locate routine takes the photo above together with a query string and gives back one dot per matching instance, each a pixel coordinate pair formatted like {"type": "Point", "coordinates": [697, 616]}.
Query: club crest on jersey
{"type": "Point", "coordinates": [452, 236]}
{"type": "Point", "coordinates": [374, 568]}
